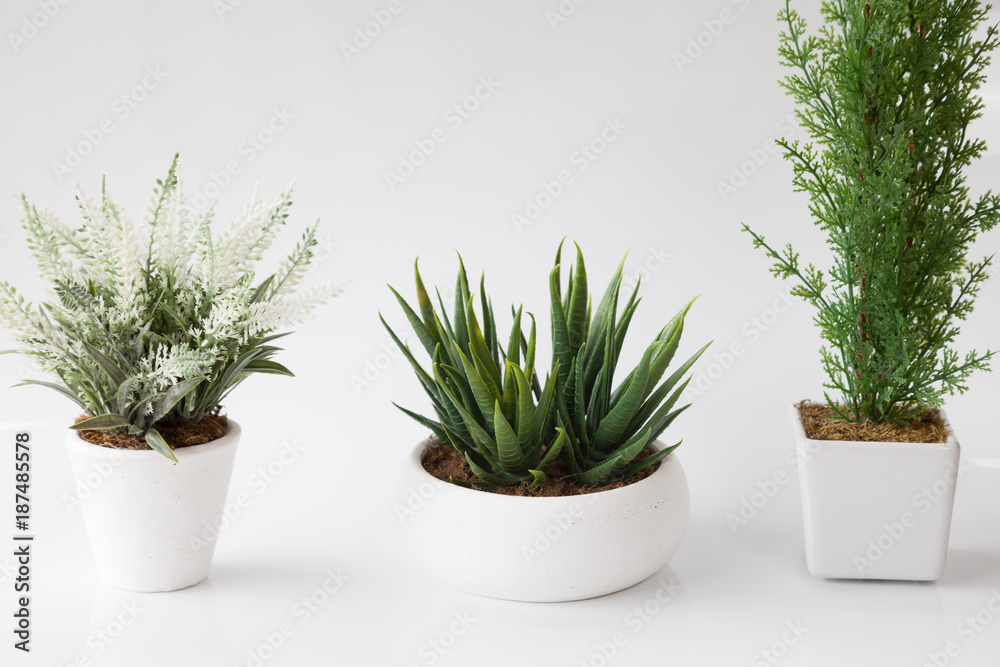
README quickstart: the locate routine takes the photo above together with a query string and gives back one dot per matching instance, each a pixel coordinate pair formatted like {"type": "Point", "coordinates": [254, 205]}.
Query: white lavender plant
{"type": "Point", "coordinates": [157, 322]}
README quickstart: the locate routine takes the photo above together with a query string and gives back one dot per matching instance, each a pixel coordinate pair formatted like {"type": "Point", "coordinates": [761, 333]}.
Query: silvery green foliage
{"type": "Point", "coordinates": [157, 321]}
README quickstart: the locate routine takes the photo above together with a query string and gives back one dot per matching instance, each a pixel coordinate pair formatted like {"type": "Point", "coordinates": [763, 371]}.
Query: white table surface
{"type": "Point", "coordinates": [689, 127]}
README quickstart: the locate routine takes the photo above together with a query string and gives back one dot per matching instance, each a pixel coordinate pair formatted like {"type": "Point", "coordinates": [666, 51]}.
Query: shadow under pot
{"type": "Point", "coordinates": [146, 515]}
{"type": "Point", "coordinates": [542, 549]}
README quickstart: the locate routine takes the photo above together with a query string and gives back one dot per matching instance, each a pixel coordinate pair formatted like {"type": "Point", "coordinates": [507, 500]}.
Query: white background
{"type": "Point", "coordinates": [689, 127]}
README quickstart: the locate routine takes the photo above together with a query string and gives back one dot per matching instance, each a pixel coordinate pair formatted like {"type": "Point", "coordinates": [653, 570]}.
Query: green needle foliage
{"type": "Point", "coordinates": [488, 402]}
{"type": "Point", "coordinates": [156, 323]}
{"type": "Point", "coordinates": [887, 90]}
{"type": "Point", "coordinates": [608, 427]}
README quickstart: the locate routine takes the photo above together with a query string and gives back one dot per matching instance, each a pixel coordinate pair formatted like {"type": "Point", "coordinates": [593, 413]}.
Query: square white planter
{"type": "Point", "coordinates": [876, 510]}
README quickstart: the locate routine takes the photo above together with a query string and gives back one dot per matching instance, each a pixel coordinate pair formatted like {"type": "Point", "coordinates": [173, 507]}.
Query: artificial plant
{"type": "Point", "coordinates": [887, 90]}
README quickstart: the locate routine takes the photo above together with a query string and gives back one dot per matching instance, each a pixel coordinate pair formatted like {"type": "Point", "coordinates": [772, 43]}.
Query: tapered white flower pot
{"type": "Point", "coordinates": [542, 549]}
{"type": "Point", "coordinates": [149, 519]}
{"type": "Point", "coordinates": [876, 510]}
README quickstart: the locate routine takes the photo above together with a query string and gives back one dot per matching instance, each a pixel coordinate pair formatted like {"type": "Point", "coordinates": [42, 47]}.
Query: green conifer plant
{"type": "Point", "coordinates": [887, 90]}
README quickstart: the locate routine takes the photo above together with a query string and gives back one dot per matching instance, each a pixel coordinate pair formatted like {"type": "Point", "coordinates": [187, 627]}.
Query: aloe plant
{"type": "Point", "coordinates": [607, 428]}
{"type": "Point", "coordinates": [488, 402]}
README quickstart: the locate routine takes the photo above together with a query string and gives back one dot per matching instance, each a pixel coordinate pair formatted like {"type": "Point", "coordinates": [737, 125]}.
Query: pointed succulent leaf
{"type": "Point", "coordinates": [525, 413]}
{"type": "Point", "coordinates": [483, 392]}
{"type": "Point", "coordinates": [427, 313]}
{"type": "Point", "coordinates": [509, 450]}
{"type": "Point", "coordinates": [576, 310]}
{"type": "Point", "coordinates": [498, 477]}
{"type": "Point", "coordinates": [599, 474]}
{"type": "Point", "coordinates": [436, 428]}
{"type": "Point", "coordinates": [514, 344]}
{"type": "Point", "coordinates": [480, 351]}
{"type": "Point", "coordinates": [159, 445]}
{"type": "Point", "coordinates": [552, 453]}
{"type": "Point", "coordinates": [544, 414]}
{"type": "Point", "coordinates": [633, 448]}
{"type": "Point", "coordinates": [605, 310]}
{"type": "Point", "coordinates": [652, 459]}
{"type": "Point", "coordinates": [613, 425]}
{"type": "Point", "coordinates": [419, 328]}
{"type": "Point", "coordinates": [561, 351]}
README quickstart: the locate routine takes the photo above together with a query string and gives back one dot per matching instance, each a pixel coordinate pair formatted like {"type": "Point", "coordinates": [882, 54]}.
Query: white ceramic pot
{"type": "Point", "coordinates": [149, 519]}
{"type": "Point", "coordinates": [876, 510]}
{"type": "Point", "coordinates": [542, 549]}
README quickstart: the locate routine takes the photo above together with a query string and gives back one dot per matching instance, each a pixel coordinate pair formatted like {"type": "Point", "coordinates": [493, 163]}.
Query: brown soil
{"type": "Point", "coordinates": [822, 423]}
{"type": "Point", "coordinates": [211, 427]}
{"type": "Point", "coordinates": [446, 464]}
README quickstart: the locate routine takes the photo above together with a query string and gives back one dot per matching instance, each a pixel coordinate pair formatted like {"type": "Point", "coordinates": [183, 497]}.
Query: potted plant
{"type": "Point", "coordinates": [886, 91]}
{"type": "Point", "coordinates": [149, 329]}
{"type": "Point", "coordinates": [542, 491]}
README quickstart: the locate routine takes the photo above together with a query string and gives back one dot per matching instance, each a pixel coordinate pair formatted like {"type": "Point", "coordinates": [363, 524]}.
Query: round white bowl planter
{"type": "Point", "coordinates": [876, 510]}
{"type": "Point", "coordinates": [549, 549]}
{"type": "Point", "coordinates": [152, 522]}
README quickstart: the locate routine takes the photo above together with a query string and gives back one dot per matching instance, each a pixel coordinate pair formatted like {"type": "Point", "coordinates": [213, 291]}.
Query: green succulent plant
{"type": "Point", "coordinates": [488, 402]}
{"type": "Point", "coordinates": [607, 428]}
